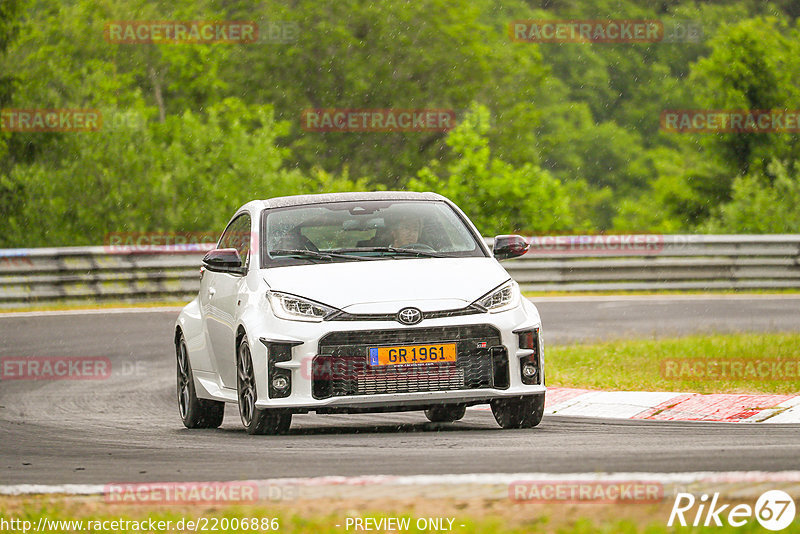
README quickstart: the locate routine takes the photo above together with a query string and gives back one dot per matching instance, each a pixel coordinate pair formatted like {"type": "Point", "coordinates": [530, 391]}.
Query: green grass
{"type": "Point", "coordinates": [639, 365]}
{"type": "Point", "coordinates": [315, 516]}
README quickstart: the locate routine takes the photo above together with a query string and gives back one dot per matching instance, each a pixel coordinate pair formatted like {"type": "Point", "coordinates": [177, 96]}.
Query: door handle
{"type": "Point", "coordinates": [211, 292]}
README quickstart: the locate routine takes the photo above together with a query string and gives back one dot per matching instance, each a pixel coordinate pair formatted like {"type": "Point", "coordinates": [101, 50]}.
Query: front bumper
{"type": "Point", "coordinates": [302, 344]}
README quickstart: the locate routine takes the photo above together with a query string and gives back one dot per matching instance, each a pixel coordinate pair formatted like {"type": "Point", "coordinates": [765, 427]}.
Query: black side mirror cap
{"type": "Point", "coordinates": [510, 246]}
{"type": "Point", "coordinates": [224, 260]}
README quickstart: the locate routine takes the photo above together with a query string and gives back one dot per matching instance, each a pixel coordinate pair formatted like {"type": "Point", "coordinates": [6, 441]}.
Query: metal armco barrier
{"type": "Point", "coordinates": [555, 263]}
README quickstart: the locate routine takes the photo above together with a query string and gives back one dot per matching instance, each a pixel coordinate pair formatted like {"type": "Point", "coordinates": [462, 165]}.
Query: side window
{"type": "Point", "coordinates": [237, 236]}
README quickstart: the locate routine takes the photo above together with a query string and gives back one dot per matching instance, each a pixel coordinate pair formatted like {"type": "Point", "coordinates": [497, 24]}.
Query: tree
{"type": "Point", "coordinates": [498, 197]}
{"type": "Point", "coordinates": [762, 203]}
{"type": "Point", "coordinates": [11, 191]}
{"type": "Point", "coordinates": [188, 173]}
{"type": "Point", "coordinates": [396, 54]}
{"type": "Point", "coordinates": [753, 65]}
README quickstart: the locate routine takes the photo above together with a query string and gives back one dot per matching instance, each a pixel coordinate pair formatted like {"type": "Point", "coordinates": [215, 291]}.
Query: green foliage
{"type": "Point", "coordinates": [495, 195]}
{"type": "Point", "coordinates": [559, 138]}
{"type": "Point", "coordinates": [11, 191]}
{"type": "Point", "coordinates": [393, 54]}
{"type": "Point", "coordinates": [678, 197]}
{"type": "Point", "coordinates": [189, 174]}
{"type": "Point", "coordinates": [753, 65]}
{"type": "Point", "coordinates": [762, 203]}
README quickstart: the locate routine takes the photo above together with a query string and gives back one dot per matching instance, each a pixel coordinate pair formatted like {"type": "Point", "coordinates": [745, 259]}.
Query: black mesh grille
{"type": "Point", "coordinates": [341, 368]}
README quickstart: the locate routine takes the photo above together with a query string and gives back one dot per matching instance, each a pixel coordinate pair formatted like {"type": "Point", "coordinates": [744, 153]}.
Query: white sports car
{"type": "Point", "coordinates": [358, 303]}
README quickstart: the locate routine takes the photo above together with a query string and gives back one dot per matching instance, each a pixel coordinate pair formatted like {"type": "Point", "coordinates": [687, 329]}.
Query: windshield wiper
{"type": "Point", "coordinates": [313, 254]}
{"type": "Point", "coordinates": [395, 250]}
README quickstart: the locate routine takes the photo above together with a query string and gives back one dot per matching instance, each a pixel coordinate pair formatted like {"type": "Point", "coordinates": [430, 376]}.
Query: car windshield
{"type": "Point", "coordinates": [364, 231]}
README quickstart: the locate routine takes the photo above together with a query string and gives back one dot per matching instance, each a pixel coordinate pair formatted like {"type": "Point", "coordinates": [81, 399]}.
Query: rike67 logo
{"type": "Point", "coordinates": [774, 510]}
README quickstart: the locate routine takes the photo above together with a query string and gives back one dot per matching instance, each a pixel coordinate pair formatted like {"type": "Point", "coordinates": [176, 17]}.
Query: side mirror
{"type": "Point", "coordinates": [509, 246]}
{"type": "Point", "coordinates": [224, 260]}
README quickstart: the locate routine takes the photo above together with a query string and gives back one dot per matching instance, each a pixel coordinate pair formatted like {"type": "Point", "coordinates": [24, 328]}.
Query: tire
{"type": "Point", "coordinates": [524, 412]}
{"type": "Point", "coordinates": [255, 420]}
{"type": "Point", "coordinates": [194, 412]}
{"type": "Point", "coordinates": [446, 413]}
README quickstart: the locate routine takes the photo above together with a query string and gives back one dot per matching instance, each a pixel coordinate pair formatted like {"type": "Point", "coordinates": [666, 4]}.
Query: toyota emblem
{"type": "Point", "coordinates": [409, 316]}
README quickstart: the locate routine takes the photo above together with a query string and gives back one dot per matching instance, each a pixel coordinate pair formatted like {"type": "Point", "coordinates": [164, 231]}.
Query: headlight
{"type": "Point", "coordinates": [296, 308]}
{"type": "Point", "coordinates": [505, 297]}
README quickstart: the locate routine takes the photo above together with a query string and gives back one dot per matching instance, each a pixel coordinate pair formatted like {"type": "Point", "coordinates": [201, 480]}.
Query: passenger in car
{"type": "Point", "coordinates": [382, 238]}
{"type": "Point", "coordinates": [295, 240]}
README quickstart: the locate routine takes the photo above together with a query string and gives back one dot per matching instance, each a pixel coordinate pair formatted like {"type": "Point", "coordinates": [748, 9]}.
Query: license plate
{"type": "Point", "coordinates": [412, 354]}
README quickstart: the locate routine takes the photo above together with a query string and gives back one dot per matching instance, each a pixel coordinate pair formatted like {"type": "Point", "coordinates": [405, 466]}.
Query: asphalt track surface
{"type": "Point", "coordinates": [126, 428]}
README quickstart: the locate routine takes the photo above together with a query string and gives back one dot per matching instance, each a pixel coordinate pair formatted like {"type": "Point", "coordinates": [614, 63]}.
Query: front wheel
{"type": "Point", "coordinates": [255, 420]}
{"type": "Point", "coordinates": [524, 412]}
{"type": "Point", "coordinates": [195, 413]}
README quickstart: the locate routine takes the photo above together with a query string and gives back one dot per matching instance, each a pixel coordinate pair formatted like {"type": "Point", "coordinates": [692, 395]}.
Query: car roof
{"type": "Point", "coordinates": [299, 200]}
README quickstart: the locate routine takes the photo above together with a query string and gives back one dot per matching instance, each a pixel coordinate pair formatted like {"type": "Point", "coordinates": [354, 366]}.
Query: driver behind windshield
{"type": "Point", "coordinates": [405, 231]}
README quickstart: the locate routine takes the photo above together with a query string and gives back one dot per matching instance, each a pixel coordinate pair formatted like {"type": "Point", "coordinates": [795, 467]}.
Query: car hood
{"type": "Point", "coordinates": [385, 286]}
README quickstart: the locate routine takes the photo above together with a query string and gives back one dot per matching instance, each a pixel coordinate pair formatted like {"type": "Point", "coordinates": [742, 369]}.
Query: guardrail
{"type": "Point", "coordinates": [557, 263]}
